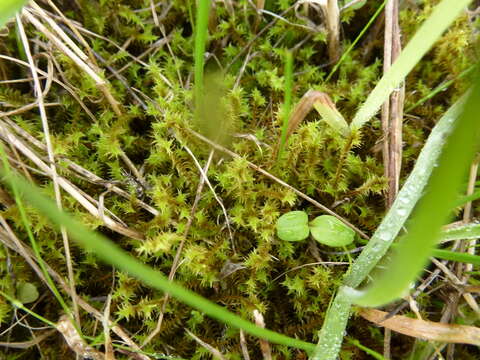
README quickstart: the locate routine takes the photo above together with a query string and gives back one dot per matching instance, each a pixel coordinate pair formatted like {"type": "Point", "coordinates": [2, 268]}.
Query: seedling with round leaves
{"type": "Point", "coordinates": [326, 229]}
{"type": "Point", "coordinates": [293, 226]}
{"type": "Point", "coordinates": [329, 230]}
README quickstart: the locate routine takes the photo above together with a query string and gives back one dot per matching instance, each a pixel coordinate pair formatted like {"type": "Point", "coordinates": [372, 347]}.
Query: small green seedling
{"type": "Point", "coordinates": [27, 292]}
{"type": "Point", "coordinates": [293, 226]}
{"type": "Point", "coordinates": [326, 229]}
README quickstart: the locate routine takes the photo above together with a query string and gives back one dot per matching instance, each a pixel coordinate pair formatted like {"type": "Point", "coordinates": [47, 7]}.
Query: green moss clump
{"type": "Point", "coordinates": [343, 173]}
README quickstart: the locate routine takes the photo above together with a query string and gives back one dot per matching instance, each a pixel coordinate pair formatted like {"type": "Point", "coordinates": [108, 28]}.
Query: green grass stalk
{"type": "Point", "coordinates": [19, 305]}
{"type": "Point", "coordinates": [287, 104]}
{"type": "Point", "coordinates": [357, 39]}
{"type": "Point", "coordinates": [441, 194]}
{"type": "Point", "coordinates": [7, 171]}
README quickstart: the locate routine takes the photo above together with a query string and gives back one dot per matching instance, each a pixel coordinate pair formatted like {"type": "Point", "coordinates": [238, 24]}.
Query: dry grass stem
{"type": "Point", "coordinates": [51, 158]}
{"type": "Point", "coordinates": [422, 329]}
{"type": "Point", "coordinates": [456, 281]}
{"type": "Point", "coordinates": [467, 214]}
{"type": "Point", "coordinates": [8, 238]}
{"type": "Point", "coordinates": [75, 341]}
{"type": "Point", "coordinates": [215, 352]}
{"type": "Point", "coordinates": [28, 344]}
{"type": "Point", "coordinates": [392, 110]}
{"type": "Point", "coordinates": [387, 336]}
{"type": "Point", "coordinates": [264, 344]}
{"type": "Point", "coordinates": [243, 346]}
{"type": "Point", "coordinates": [106, 330]}
{"type": "Point", "coordinates": [78, 60]}
{"type": "Point", "coordinates": [8, 137]}
{"type": "Point", "coordinates": [80, 171]}
{"type": "Point", "coordinates": [69, 89]}
{"type": "Point", "coordinates": [332, 15]}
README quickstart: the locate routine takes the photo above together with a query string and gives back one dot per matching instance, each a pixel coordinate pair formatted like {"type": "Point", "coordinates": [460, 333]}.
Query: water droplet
{"type": "Point", "coordinates": [383, 236]}
{"type": "Point", "coordinates": [402, 212]}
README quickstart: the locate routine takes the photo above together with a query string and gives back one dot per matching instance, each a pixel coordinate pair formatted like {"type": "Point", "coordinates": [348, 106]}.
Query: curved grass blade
{"type": "Point", "coordinates": [441, 17]}
{"type": "Point", "coordinates": [114, 255]}
{"type": "Point", "coordinates": [331, 335]}
{"type": "Point", "coordinates": [413, 251]}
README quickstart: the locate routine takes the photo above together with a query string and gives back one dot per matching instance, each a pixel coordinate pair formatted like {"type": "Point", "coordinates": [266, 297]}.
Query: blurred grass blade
{"type": "Point", "coordinates": [287, 103]}
{"type": "Point", "coordinates": [114, 255]}
{"type": "Point", "coordinates": [441, 17]}
{"type": "Point", "coordinates": [467, 198]}
{"type": "Point", "coordinates": [454, 256]}
{"type": "Point", "coordinates": [8, 9]}
{"type": "Point", "coordinates": [201, 32]}
{"type": "Point", "coordinates": [413, 251]}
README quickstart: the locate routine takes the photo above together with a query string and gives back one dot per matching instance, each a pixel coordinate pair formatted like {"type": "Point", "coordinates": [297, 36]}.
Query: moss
{"type": "Point", "coordinates": [345, 174]}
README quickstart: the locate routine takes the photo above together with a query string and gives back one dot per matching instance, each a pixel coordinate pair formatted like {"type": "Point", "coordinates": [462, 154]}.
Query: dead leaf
{"type": "Point", "coordinates": [422, 329]}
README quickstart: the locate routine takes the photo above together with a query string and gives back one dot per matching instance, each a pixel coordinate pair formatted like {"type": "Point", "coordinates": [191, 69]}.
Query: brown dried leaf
{"type": "Point", "coordinates": [422, 329]}
{"type": "Point", "coordinates": [325, 107]}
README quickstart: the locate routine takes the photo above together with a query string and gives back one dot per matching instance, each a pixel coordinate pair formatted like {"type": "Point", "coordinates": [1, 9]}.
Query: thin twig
{"type": "Point", "coordinates": [243, 345]}
{"type": "Point", "coordinates": [215, 352]}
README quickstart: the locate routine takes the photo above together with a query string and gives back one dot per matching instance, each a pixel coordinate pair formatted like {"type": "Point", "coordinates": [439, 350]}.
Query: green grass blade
{"type": "Point", "coordinates": [26, 223]}
{"type": "Point", "coordinates": [369, 351]}
{"type": "Point", "coordinates": [406, 200]}
{"type": "Point", "coordinates": [19, 305]}
{"type": "Point", "coordinates": [287, 106]}
{"type": "Point", "coordinates": [8, 9]}
{"type": "Point", "coordinates": [440, 88]}
{"type": "Point", "coordinates": [470, 231]}
{"type": "Point", "coordinates": [467, 198]}
{"type": "Point", "coordinates": [107, 251]}
{"type": "Point", "coordinates": [453, 256]}
{"type": "Point", "coordinates": [331, 335]}
{"type": "Point", "coordinates": [413, 251]}
{"type": "Point", "coordinates": [441, 17]}
{"type": "Point", "coordinates": [332, 117]}
{"type": "Point", "coordinates": [456, 256]}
